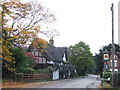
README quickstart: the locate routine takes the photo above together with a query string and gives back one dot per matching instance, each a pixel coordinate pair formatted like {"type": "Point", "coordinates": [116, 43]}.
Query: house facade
{"type": "Point", "coordinates": [108, 64]}
{"type": "Point", "coordinates": [49, 56]}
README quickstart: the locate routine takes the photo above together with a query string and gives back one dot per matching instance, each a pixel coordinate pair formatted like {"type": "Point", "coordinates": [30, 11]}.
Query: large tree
{"type": "Point", "coordinates": [81, 57]}
{"type": "Point", "coordinates": [21, 23]}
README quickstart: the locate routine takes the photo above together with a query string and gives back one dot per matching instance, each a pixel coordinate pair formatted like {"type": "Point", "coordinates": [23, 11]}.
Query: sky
{"type": "Point", "coordinates": [83, 20]}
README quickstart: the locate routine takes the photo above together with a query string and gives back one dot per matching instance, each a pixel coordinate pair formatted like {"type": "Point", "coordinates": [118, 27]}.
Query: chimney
{"type": "Point", "coordinates": [51, 41]}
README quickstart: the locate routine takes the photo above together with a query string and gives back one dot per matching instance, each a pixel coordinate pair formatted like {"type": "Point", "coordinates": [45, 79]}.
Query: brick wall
{"type": "Point", "coordinates": [116, 58]}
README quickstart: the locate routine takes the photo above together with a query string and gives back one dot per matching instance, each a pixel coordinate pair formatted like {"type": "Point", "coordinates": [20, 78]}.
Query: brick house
{"type": "Point", "coordinates": [116, 62]}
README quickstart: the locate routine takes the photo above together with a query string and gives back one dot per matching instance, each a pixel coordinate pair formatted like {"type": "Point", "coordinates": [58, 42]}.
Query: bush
{"type": "Point", "coordinates": [118, 79]}
{"type": "Point", "coordinates": [39, 71]}
{"type": "Point", "coordinates": [24, 64]}
{"type": "Point", "coordinates": [117, 82]}
{"type": "Point", "coordinates": [29, 71]}
{"type": "Point", "coordinates": [18, 77]}
{"type": "Point", "coordinates": [106, 75]}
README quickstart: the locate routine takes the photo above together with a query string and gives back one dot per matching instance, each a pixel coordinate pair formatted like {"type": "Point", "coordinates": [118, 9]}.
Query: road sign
{"type": "Point", "coordinates": [106, 56]}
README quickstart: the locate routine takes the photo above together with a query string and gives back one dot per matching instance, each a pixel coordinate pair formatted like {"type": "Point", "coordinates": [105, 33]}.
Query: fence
{"type": "Point", "coordinates": [23, 78]}
{"type": "Point", "coordinates": [34, 77]}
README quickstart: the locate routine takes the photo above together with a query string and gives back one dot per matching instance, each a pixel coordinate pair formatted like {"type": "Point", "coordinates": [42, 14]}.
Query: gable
{"type": "Point", "coordinates": [117, 54]}
{"type": "Point", "coordinates": [50, 52]}
{"type": "Point", "coordinates": [63, 51]}
{"type": "Point", "coordinates": [54, 54]}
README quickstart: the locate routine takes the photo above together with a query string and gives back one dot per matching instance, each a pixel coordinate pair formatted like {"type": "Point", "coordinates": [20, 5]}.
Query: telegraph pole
{"type": "Point", "coordinates": [113, 47]}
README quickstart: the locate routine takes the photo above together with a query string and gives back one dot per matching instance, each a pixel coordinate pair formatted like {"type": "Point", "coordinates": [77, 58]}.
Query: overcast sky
{"type": "Point", "coordinates": [83, 20]}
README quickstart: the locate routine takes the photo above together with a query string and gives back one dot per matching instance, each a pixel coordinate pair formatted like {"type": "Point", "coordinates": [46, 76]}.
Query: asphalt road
{"type": "Point", "coordinates": [89, 81]}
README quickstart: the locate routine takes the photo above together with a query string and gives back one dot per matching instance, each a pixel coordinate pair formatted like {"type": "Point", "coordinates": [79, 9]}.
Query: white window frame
{"type": "Point", "coordinates": [115, 63]}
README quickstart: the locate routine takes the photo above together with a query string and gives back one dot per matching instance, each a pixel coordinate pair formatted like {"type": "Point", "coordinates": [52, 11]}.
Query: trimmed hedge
{"type": "Point", "coordinates": [117, 79]}
{"type": "Point", "coordinates": [107, 75]}
{"type": "Point", "coordinates": [44, 71]}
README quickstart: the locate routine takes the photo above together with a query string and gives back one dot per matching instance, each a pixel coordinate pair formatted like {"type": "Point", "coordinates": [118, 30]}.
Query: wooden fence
{"type": "Point", "coordinates": [24, 78]}
{"type": "Point", "coordinates": [34, 77]}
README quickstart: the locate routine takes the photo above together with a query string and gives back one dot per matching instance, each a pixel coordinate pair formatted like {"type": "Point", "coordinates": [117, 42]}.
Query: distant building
{"type": "Point", "coordinates": [116, 62]}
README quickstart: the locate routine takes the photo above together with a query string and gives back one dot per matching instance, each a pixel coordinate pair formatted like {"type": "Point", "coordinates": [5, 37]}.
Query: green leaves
{"type": "Point", "coordinates": [23, 63]}
{"type": "Point", "coordinates": [20, 25]}
{"type": "Point", "coordinates": [81, 57]}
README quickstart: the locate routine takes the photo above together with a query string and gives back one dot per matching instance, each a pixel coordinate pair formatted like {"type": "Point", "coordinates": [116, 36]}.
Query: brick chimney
{"type": "Point", "coordinates": [51, 41]}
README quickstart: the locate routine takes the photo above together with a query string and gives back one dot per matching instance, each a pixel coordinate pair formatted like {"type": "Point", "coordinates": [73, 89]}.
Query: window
{"type": "Point", "coordinates": [40, 59]}
{"type": "Point", "coordinates": [36, 53]}
{"type": "Point", "coordinates": [115, 63]}
{"type": "Point", "coordinates": [64, 58]}
{"type": "Point", "coordinates": [114, 56]}
{"type": "Point", "coordinates": [114, 69]}
{"type": "Point", "coordinates": [33, 53]}
{"type": "Point", "coordinates": [111, 63]}
{"type": "Point", "coordinates": [44, 60]}
{"type": "Point", "coordinates": [40, 54]}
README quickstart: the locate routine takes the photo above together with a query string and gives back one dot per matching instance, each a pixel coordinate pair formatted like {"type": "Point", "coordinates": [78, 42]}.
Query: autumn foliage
{"type": "Point", "coordinates": [21, 23]}
{"type": "Point", "coordinates": [31, 55]}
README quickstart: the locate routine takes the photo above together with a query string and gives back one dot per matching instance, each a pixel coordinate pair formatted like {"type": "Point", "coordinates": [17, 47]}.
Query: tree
{"type": "Point", "coordinates": [23, 63]}
{"type": "Point", "coordinates": [21, 23]}
{"type": "Point", "coordinates": [98, 58]}
{"type": "Point", "coordinates": [81, 57]}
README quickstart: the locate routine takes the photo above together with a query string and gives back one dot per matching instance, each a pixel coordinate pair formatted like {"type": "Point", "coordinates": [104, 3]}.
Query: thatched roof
{"type": "Point", "coordinates": [52, 53]}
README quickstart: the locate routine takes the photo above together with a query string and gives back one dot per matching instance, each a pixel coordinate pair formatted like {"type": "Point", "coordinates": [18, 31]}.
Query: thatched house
{"type": "Point", "coordinates": [49, 56]}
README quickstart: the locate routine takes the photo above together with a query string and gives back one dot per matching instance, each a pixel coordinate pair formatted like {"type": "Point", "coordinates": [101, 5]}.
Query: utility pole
{"type": "Point", "coordinates": [113, 47]}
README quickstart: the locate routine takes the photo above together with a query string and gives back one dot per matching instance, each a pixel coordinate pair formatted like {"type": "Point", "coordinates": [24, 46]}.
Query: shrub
{"type": "Point", "coordinates": [118, 79]}
{"type": "Point", "coordinates": [106, 75]}
{"type": "Point", "coordinates": [18, 77]}
{"type": "Point", "coordinates": [117, 82]}
{"type": "Point", "coordinates": [24, 64]}
{"type": "Point", "coordinates": [39, 71]}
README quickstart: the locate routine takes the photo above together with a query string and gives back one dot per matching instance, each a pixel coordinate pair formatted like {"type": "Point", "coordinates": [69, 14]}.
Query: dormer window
{"type": "Point", "coordinates": [64, 58]}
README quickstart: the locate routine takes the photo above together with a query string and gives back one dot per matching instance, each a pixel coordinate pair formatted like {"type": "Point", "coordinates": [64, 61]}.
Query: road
{"type": "Point", "coordinates": [89, 81]}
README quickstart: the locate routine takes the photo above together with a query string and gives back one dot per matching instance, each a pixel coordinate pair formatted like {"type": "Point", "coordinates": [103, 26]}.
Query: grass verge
{"type": "Point", "coordinates": [105, 85]}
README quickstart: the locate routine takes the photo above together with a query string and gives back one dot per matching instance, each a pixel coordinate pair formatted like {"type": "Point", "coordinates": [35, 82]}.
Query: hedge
{"type": "Point", "coordinates": [107, 75]}
{"type": "Point", "coordinates": [117, 79]}
{"type": "Point", "coordinates": [39, 71]}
